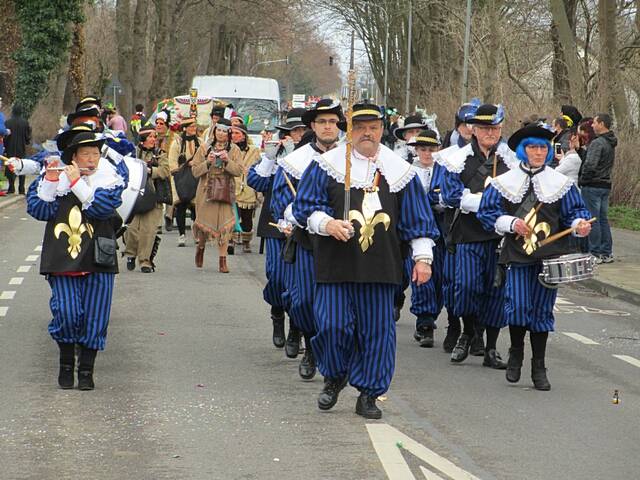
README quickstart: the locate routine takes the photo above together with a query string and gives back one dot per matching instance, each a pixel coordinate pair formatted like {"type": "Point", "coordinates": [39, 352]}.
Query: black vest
{"type": "Point", "coordinates": [72, 249]}
{"type": "Point", "coordinates": [338, 262]}
{"type": "Point", "coordinates": [513, 250]}
{"type": "Point", "coordinates": [265, 230]}
{"type": "Point", "coordinates": [467, 228]}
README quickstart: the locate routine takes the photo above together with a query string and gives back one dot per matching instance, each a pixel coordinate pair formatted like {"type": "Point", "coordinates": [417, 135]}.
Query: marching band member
{"type": "Point", "coordinates": [412, 126]}
{"type": "Point", "coordinates": [357, 272]}
{"type": "Point", "coordinates": [426, 299]}
{"type": "Point", "coordinates": [477, 300]}
{"type": "Point", "coordinates": [324, 120]}
{"type": "Point", "coordinates": [79, 249]}
{"type": "Point", "coordinates": [525, 205]}
{"type": "Point", "coordinates": [453, 140]}
{"type": "Point", "coordinates": [140, 236]}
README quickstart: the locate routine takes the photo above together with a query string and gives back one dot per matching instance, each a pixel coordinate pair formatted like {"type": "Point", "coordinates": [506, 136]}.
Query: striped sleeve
{"type": "Point", "coordinates": [258, 182]}
{"type": "Point", "coordinates": [312, 195]}
{"type": "Point", "coordinates": [490, 209]}
{"type": "Point", "coordinates": [281, 196]}
{"type": "Point", "coordinates": [37, 207]}
{"type": "Point", "coordinates": [572, 208]}
{"type": "Point", "coordinates": [452, 188]}
{"type": "Point", "coordinates": [416, 218]}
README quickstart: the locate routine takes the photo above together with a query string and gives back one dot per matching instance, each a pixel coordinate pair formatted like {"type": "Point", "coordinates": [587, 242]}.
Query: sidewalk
{"type": "Point", "coordinates": [11, 199]}
{"type": "Point", "coordinates": [620, 279]}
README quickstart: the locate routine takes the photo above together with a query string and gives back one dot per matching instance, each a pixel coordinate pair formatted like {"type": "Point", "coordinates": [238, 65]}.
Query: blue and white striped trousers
{"type": "Point", "coordinates": [528, 303]}
{"type": "Point", "coordinates": [474, 292]}
{"type": "Point", "coordinates": [274, 292]}
{"type": "Point", "coordinates": [302, 294]}
{"type": "Point", "coordinates": [425, 301]}
{"type": "Point", "coordinates": [356, 334]}
{"type": "Point", "coordinates": [448, 280]}
{"type": "Point", "coordinates": [81, 307]}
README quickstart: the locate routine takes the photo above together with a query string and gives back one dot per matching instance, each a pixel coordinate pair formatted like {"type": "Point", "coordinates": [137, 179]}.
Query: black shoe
{"type": "Point", "coordinates": [514, 365]}
{"type": "Point", "coordinates": [493, 359]}
{"type": "Point", "coordinates": [65, 377]}
{"type": "Point", "coordinates": [307, 367]}
{"type": "Point", "coordinates": [85, 380]}
{"type": "Point", "coordinates": [329, 395]}
{"type": "Point", "coordinates": [451, 339]}
{"type": "Point", "coordinates": [476, 347]}
{"type": "Point", "coordinates": [131, 263]}
{"type": "Point", "coordinates": [146, 269]}
{"type": "Point", "coordinates": [292, 345]}
{"type": "Point", "coordinates": [168, 224]}
{"type": "Point", "coordinates": [366, 407]}
{"type": "Point", "coordinates": [424, 336]}
{"type": "Point", "coordinates": [396, 314]}
{"type": "Point", "coordinates": [278, 328]}
{"type": "Point", "coordinates": [231, 250]}
{"type": "Point", "coordinates": [461, 350]}
{"type": "Point", "coordinates": [539, 375]}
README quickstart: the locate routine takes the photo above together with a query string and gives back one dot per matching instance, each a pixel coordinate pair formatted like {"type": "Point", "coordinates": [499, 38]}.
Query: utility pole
{"type": "Point", "coordinates": [465, 66]}
{"type": "Point", "coordinates": [408, 87]}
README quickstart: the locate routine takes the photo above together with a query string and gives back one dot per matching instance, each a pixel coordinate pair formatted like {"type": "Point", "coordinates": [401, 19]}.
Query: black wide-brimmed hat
{"type": "Point", "coordinates": [63, 139]}
{"type": "Point", "coordinates": [530, 131]}
{"type": "Point", "coordinates": [572, 113]}
{"type": "Point", "coordinates": [325, 105]}
{"type": "Point", "coordinates": [85, 111]}
{"type": "Point", "coordinates": [488, 114]}
{"type": "Point", "coordinates": [82, 139]}
{"type": "Point", "coordinates": [366, 111]}
{"type": "Point", "coordinates": [217, 109]}
{"type": "Point", "coordinates": [426, 138]}
{"type": "Point", "coordinates": [411, 122]}
{"type": "Point", "coordinates": [89, 101]}
{"type": "Point", "coordinates": [294, 119]}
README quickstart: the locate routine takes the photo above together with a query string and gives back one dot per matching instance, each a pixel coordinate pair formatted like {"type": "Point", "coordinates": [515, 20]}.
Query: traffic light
{"type": "Point", "coordinates": [331, 61]}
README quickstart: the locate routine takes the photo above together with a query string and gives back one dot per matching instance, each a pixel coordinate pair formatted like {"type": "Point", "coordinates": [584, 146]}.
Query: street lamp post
{"type": "Point", "coordinates": [268, 62]}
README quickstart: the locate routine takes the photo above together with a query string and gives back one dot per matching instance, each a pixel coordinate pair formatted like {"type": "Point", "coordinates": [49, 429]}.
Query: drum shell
{"type": "Point", "coordinates": [568, 268]}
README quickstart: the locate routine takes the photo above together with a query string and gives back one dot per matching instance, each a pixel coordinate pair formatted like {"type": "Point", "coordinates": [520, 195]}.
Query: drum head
{"type": "Point", "coordinates": [137, 181]}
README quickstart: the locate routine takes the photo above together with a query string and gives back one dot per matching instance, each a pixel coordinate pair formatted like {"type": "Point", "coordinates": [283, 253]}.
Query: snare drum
{"type": "Point", "coordinates": [137, 182]}
{"type": "Point", "coordinates": [568, 268]}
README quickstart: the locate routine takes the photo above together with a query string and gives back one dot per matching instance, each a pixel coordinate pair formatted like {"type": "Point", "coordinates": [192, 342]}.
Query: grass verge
{"type": "Point", "coordinates": [624, 217]}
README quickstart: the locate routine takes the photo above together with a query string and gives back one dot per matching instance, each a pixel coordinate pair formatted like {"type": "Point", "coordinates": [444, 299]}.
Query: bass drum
{"type": "Point", "coordinates": [137, 181]}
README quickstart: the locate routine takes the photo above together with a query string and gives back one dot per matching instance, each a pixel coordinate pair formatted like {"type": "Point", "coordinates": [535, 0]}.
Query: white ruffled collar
{"type": "Point", "coordinates": [106, 177]}
{"type": "Point", "coordinates": [454, 158]}
{"type": "Point", "coordinates": [548, 185]}
{"type": "Point", "coordinates": [397, 172]}
{"type": "Point", "coordinates": [297, 161]}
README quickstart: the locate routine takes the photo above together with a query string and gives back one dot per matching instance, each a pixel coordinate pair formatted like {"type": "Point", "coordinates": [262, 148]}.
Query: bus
{"type": "Point", "coordinates": [256, 97]}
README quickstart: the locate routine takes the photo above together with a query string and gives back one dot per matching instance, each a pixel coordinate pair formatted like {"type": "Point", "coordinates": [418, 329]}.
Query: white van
{"type": "Point", "coordinates": [255, 96]}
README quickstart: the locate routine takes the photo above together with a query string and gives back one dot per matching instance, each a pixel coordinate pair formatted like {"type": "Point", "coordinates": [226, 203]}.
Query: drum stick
{"type": "Point", "coordinates": [291, 187]}
{"type": "Point", "coordinates": [561, 234]}
{"type": "Point", "coordinates": [3, 158]}
{"type": "Point", "coordinates": [274, 225]}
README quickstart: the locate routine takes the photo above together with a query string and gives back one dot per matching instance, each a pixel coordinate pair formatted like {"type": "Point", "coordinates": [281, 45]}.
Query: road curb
{"type": "Point", "coordinates": [612, 291]}
{"type": "Point", "coordinates": [10, 201]}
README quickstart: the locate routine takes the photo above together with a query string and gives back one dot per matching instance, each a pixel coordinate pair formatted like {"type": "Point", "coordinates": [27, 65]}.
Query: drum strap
{"type": "Point", "coordinates": [527, 204]}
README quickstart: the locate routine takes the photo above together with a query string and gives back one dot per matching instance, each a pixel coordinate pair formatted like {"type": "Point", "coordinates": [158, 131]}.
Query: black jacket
{"type": "Point", "coordinates": [597, 166]}
{"type": "Point", "coordinates": [15, 144]}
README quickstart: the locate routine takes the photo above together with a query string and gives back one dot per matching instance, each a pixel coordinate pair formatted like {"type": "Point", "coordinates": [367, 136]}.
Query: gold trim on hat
{"type": "Point", "coordinates": [357, 113]}
{"type": "Point", "coordinates": [485, 117]}
{"type": "Point", "coordinates": [426, 139]}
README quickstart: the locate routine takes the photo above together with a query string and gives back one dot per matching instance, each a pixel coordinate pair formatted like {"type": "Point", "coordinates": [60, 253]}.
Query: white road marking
{"type": "Point", "coordinates": [387, 442]}
{"type": "Point", "coordinates": [31, 258]}
{"type": "Point", "coordinates": [6, 218]}
{"type": "Point", "coordinates": [580, 338]}
{"type": "Point", "coordinates": [430, 475]}
{"type": "Point", "coordinates": [38, 248]}
{"type": "Point", "coordinates": [3, 311]}
{"type": "Point", "coordinates": [563, 301]}
{"type": "Point", "coordinates": [23, 218]}
{"type": "Point", "coordinates": [16, 281]}
{"type": "Point", "coordinates": [7, 294]}
{"type": "Point", "coordinates": [626, 358]}
{"type": "Point", "coordinates": [23, 269]}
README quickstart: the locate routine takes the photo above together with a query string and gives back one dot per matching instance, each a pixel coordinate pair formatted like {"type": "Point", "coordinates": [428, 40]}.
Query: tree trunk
{"type": "Point", "coordinates": [125, 56]}
{"type": "Point", "coordinates": [140, 30]}
{"type": "Point", "coordinates": [567, 42]}
{"type": "Point", "coordinates": [560, 73]}
{"type": "Point", "coordinates": [490, 77]}
{"type": "Point", "coordinates": [75, 88]}
{"type": "Point", "coordinates": [160, 78]}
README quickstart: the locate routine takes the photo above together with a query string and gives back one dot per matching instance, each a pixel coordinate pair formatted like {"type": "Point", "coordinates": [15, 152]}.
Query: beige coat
{"type": "Point", "coordinates": [214, 219]}
{"type": "Point", "coordinates": [174, 152]}
{"type": "Point", "coordinates": [245, 195]}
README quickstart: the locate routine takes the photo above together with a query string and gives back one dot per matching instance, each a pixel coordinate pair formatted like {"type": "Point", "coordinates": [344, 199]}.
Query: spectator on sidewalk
{"type": "Point", "coordinates": [15, 145]}
{"type": "Point", "coordinates": [138, 120]}
{"type": "Point", "coordinates": [586, 133]}
{"type": "Point", "coordinates": [595, 181]}
{"type": "Point", "coordinates": [570, 161]}
{"type": "Point", "coordinates": [115, 121]}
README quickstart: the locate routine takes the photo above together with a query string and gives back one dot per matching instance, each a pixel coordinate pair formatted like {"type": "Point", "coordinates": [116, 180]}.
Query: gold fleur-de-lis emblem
{"type": "Point", "coordinates": [368, 225]}
{"type": "Point", "coordinates": [532, 240]}
{"type": "Point", "coordinates": [74, 230]}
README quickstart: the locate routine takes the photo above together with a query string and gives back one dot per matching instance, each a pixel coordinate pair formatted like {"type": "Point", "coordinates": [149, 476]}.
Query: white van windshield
{"type": "Point", "coordinates": [259, 109]}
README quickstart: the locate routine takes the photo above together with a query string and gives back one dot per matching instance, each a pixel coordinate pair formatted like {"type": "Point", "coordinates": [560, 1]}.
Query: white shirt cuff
{"type": "Point", "coordinates": [317, 223]}
{"type": "Point", "coordinates": [288, 215]}
{"type": "Point", "coordinates": [422, 247]}
{"type": "Point", "coordinates": [83, 192]}
{"type": "Point", "coordinates": [29, 167]}
{"type": "Point", "coordinates": [47, 190]}
{"type": "Point", "coordinates": [574, 224]}
{"type": "Point", "coordinates": [470, 202]}
{"type": "Point", "coordinates": [505, 224]}
{"type": "Point", "coordinates": [112, 154]}
{"type": "Point", "coordinates": [266, 167]}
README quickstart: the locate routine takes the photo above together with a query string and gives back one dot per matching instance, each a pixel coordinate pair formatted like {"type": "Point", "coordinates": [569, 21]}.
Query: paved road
{"type": "Point", "coordinates": [190, 387]}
